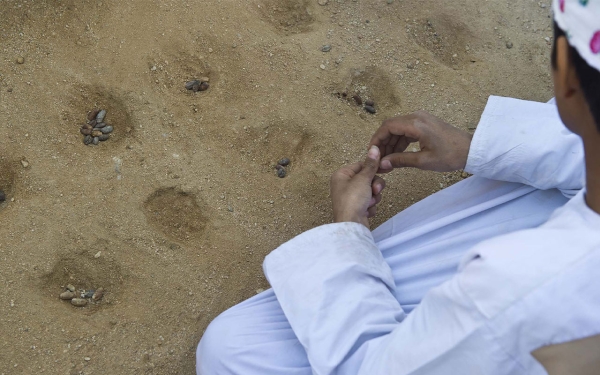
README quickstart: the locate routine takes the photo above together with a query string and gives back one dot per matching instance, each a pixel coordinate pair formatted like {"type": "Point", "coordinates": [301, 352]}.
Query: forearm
{"type": "Point", "coordinates": [336, 291]}
{"type": "Point", "coordinates": [526, 142]}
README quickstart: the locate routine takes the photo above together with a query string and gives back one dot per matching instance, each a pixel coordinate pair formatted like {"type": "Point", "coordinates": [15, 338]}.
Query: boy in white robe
{"type": "Point", "coordinates": [471, 280]}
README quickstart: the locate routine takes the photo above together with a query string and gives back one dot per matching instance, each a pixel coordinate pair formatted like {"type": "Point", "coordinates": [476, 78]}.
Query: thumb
{"type": "Point", "coordinates": [402, 160]}
{"type": "Point", "coordinates": [371, 164]}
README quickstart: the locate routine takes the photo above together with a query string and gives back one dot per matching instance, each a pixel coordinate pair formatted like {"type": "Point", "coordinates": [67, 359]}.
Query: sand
{"type": "Point", "coordinates": [174, 214]}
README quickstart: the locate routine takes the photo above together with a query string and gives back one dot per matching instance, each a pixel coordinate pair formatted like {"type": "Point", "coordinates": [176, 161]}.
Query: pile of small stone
{"type": "Point", "coordinates": [280, 167]}
{"type": "Point", "coordinates": [82, 297]}
{"type": "Point", "coordinates": [369, 104]}
{"type": "Point", "coordinates": [96, 130]}
{"type": "Point", "coordinates": [198, 84]}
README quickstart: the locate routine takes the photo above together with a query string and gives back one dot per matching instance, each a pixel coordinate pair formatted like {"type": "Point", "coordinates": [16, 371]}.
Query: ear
{"type": "Point", "coordinates": [566, 80]}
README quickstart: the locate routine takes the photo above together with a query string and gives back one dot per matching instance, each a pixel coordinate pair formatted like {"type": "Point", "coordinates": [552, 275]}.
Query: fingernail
{"type": "Point", "coordinates": [386, 164]}
{"type": "Point", "coordinates": [373, 152]}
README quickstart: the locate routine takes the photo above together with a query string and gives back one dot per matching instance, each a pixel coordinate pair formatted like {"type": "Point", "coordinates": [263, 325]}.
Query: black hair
{"type": "Point", "coordinates": [589, 78]}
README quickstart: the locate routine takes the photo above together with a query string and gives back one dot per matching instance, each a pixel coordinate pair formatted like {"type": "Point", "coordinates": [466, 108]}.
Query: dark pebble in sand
{"type": "Point", "coordinates": [204, 86]}
{"type": "Point", "coordinates": [357, 99]}
{"type": "Point", "coordinates": [92, 114]}
{"type": "Point", "coordinates": [281, 172]}
{"type": "Point", "coordinates": [103, 137]}
{"type": "Point", "coordinates": [284, 162]}
{"type": "Point", "coordinates": [96, 140]}
{"type": "Point", "coordinates": [100, 116]}
{"type": "Point", "coordinates": [107, 129]}
{"type": "Point", "coordinates": [370, 103]}
{"type": "Point", "coordinates": [100, 125]}
{"type": "Point", "coordinates": [85, 131]}
{"type": "Point", "coordinates": [87, 140]}
{"type": "Point", "coordinates": [190, 84]}
{"type": "Point", "coordinates": [88, 294]}
{"type": "Point", "coordinates": [2, 196]}
{"type": "Point", "coordinates": [370, 109]}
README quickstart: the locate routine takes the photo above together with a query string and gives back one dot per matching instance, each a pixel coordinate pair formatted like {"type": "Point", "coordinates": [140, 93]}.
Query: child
{"type": "Point", "coordinates": [485, 277]}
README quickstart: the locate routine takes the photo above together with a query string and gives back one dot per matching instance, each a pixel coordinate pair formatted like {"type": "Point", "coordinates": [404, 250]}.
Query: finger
{"type": "Point", "coordinates": [355, 168]}
{"type": "Point", "coordinates": [402, 145]}
{"type": "Point", "coordinates": [375, 200]}
{"type": "Point", "coordinates": [390, 146]}
{"type": "Point", "coordinates": [400, 126]}
{"type": "Point", "coordinates": [371, 164]}
{"type": "Point", "coordinates": [378, 185]}
{"type": "Point", "coordinates": [403, 160]}
{"type": "Point", "coordinates": [347, 171]}
{"type": "Point", "coordinates": [372, 212]}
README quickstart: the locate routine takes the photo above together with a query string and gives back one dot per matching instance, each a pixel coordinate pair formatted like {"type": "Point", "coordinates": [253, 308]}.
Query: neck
{"type": "Point", "coordinates": [592, 168]}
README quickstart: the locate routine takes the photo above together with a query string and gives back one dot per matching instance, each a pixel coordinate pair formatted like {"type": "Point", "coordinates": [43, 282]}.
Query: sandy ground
{"type": "Point", "coordinates": [174, 214]}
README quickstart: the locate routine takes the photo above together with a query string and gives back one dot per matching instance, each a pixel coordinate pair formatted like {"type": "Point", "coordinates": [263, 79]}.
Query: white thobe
{"type": "Point", "coordinates": [490, 272]}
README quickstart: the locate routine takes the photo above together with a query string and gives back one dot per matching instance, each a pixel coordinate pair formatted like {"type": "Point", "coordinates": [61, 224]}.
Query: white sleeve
{"type": "Point", "coordinates": [336, 291]}
{"type": "Point", "coordinates": [526, 142]}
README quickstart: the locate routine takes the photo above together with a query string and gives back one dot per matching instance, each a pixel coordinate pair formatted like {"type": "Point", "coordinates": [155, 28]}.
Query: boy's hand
{"type": "Point", "coordinates": [356, 190]}
{"type": "Point", "coordinates": [444, 148]}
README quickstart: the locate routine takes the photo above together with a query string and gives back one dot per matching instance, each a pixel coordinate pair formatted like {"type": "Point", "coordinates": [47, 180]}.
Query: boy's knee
{"type": "Point", "coordinates": [216, 350]}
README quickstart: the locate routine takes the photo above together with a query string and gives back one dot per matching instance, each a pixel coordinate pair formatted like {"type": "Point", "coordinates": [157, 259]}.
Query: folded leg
{"type": "Point", "coordinates": [423, 246]}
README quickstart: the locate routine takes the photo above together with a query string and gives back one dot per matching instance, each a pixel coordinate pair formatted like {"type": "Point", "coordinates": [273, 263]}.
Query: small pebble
{"type": "Point", "coordinates": [87, 139]}
{"type": "Point", "coordinates": [96, 140]}
{"type": "Point", "coordinates": [464, 175]}
{"type": "Point", "coordinates": [370, 109]}
{"type": "Point", "coordinates": [86, 131]}
{"type": "Point", "coordinates": [322, 66]}
{"type": "Point", "coordinates": [323, 2]}
{"type": "Point", "coordinates": [203, 86]}
{"type": "Point", "coordinates": [284, 162]}
{"type": "Point", "coordinates": [92, 114]}
{"type": "Point", "coordinates": [190, 84]}
{"type": "Point", "coordinates": [79, 302]}
{"type": "Point", "coordinates": [326, 48]}
{"type": "Point", "coordinates": [100, 125]}
{"type": "Point", "coordinates": [2, 196]}
{"type": "Point", "coordinates": [98, 254]}
{"type": "Point", "coordinates": [106, 130]}
{"type": "Point", "coordinates": [96, 133]}
{"type": "Point", "coordinates": [278, 167]}
{"type": "Point", "coordinates": [68, 295]}
{"type": "Point", "coordinates": [88, 294]}
{"type": "Point", "coordinates": [390, 1]}
{"type": "Point", "coordinates": [24, 163]}
{"type": "Point", "coordinates": [87, 359]}
{"type": "Point", "coordinates": [281, 173]}
{"type": "Point", "coordinates": [509, 45]}
{"type": "Point", "coordinates": [370, 103]}
{"type": "Point", "coordinates": [71, 287]}
{"type": "Point", "coordinates": [357, 99]}
{"type": "Point", "coordinates": [98, 294]}
{"type": "Point", "coordinates": [410, 66]}
{"type": "Point", "coordinates": [100, 116]}
{"type": "Point", "coordinates": [204, 79]}
{"type": "Point", "coordinates": [20, 60]}
{"type": "Point", "coordinates": [103, 137]}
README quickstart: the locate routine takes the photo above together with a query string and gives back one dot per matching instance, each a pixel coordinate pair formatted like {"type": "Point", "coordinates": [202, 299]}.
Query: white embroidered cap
{"type": "Point", "coordinates": [580, 20]}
